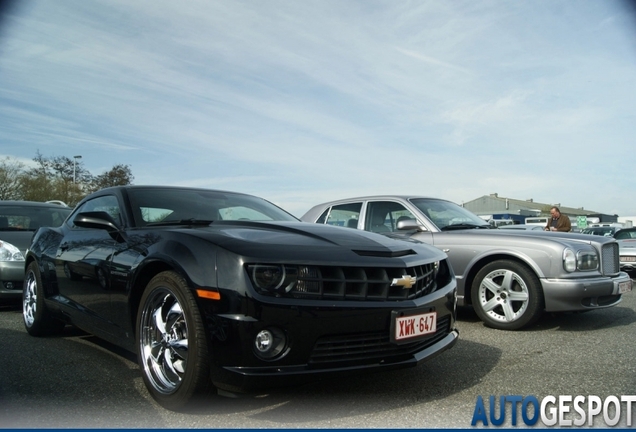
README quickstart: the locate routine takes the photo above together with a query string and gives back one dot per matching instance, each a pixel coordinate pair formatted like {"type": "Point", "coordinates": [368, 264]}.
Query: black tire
{"type": "Point", "coordinates": [38, 321]}
{"type": "Point", "coordinates": [507, 295]}
{"type": "Point", "coordinates": [172, 347]}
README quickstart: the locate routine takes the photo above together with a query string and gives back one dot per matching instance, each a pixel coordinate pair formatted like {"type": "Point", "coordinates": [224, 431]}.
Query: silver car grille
{"type": "Point", "coordinates": [609, 259]}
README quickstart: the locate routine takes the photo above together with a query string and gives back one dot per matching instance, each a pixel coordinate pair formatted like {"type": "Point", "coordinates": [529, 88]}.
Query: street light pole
{"type": "Point", "coordinates": [75, 158]}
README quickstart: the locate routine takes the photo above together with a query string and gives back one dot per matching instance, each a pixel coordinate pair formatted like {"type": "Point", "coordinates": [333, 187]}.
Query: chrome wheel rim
{"type": "Point", "coordinates": [163, 341]}
{"type": "Point", "coordinates": [503, 295]}
{"type": "Point", "coordinates": [29, 300]}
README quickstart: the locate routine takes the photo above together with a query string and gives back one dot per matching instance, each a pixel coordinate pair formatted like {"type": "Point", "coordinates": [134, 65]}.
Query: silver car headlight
{"type": "Point", "coordinates": [582, 260]}
{"type": "Point", "coordinates": [569, 260]}
{"type": "Point", "coordinates": [587, 260]}
{"type": "Point", "coordinates": [8, 252]}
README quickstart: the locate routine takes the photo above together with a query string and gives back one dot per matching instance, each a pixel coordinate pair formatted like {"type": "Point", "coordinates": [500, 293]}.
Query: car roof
{"type": "Point", "coordinates": [160, 187]}
{"type": "Point", "coordinates": [14, 203]}
{"type": "Point", "coordinates": [377, 197]}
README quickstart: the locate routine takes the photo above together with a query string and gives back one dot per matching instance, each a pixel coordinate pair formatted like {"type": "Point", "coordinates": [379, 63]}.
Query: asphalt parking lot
{"type": "Point", "coordinates": [78, 381]}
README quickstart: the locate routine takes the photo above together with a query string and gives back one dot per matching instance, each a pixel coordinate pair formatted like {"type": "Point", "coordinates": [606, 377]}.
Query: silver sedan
{"type": "Point", "coordinates": [510, 277]}
{"type": "Point", "coordinates": [626, 239]}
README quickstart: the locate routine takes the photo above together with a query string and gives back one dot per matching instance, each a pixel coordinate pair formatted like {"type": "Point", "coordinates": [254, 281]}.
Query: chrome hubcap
{"type": "Point", "coordinates": [30, 299]}
{"type": "Point", "coordinates": [164, 341]}
{"type": "Point", "coordinates": [503, 295]}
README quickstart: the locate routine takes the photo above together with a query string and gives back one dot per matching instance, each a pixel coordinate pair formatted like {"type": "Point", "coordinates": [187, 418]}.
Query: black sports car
{"type": "Point", "coordinates": [213, 287]}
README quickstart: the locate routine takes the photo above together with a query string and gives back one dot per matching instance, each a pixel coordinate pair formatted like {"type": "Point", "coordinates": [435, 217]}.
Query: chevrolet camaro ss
{"type": "Point", "coordinates": [215, 289]}
{"type": "Point", "coordinates": [509, 277]}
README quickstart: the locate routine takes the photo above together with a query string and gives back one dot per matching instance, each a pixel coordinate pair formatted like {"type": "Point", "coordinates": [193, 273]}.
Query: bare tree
{"type": "Point", "coordinates": [10, 172]}
{"type": "Point", "coordinates": [118, 175]}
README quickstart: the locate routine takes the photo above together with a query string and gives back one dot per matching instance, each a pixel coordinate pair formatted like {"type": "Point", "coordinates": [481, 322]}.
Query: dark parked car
{"type": "Point", "coordinates": [509, 276]}
{"type": "Point", "coordinates": [607, 231]}
{"type": "Point", "coordinates": [18, 222]}
{"type": "Point", "coordinates": [225, 288]}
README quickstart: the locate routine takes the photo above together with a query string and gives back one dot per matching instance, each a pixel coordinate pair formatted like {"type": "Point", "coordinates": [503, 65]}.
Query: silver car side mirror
{"type": "Point", "coordinates": [410, 224]}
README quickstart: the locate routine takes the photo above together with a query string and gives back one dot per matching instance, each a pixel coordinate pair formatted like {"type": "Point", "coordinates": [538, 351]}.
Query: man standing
{"type": "Point", "coordinates": [558, 222]}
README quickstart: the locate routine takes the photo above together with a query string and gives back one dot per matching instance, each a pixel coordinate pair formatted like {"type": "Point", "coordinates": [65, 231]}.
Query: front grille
{"type": "Point", "coordinates": [609, 259]}
{"type": "Point", "coordinates": [358, 283]}
{"type": "Point", "coordinates": [371, 347]}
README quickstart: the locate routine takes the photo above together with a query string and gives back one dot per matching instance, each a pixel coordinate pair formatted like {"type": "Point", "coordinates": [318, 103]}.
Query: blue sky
{"type": "Point", "coordinates": [302, 102]}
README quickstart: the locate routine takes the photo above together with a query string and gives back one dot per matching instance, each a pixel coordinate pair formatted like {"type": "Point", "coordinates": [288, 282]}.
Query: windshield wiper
{"type": "Point", "coordinates": [191, 221]}
{"type": "Point", "coordinates": [460, 226]}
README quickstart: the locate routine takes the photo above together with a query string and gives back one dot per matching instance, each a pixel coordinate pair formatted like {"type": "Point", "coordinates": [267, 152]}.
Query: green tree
{"type": "Point", "coordinates": [65, 179]}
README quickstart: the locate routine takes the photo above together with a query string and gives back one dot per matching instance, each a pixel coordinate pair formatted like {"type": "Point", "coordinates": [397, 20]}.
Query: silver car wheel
{"type": "Point", "coordinates": [29, 299]}
{"type": "Point", "coordinates": [164, 341]}
{"type": "Point", "coordinates": [503, 295]}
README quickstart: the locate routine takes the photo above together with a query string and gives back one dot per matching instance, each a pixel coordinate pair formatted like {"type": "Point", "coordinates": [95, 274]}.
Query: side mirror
{"type": "Point", "coordinates": [410, 224]}
{"type": "Point", "coordinates": [96, 220]}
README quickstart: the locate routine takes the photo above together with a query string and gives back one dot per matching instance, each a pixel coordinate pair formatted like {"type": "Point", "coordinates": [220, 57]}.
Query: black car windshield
{"type": "Point", "coordinates": [169, 206]}
{"type": "Point", "coordinates": [447, 215]}
{"type": "Point", "coordinates": [31, 217]}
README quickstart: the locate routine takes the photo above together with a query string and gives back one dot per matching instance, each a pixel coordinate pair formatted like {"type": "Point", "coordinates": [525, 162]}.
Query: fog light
{"type": "Point", "coordinates": [269, 343]}
{"type": "Point", "coordinates": [264, 340]}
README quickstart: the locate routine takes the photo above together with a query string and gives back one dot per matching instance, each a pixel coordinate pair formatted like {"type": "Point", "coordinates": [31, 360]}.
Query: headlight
{"type": "Point", "coordinates": [273, 277]}
{"type": "Point", "coordinates": [569, 260]}
{"type": "Point", "coordinates": [581, 260]}
{"type": "Point", "coordinates": [587, 260]}
{"type": "Point", "coordinates": [8, 252]}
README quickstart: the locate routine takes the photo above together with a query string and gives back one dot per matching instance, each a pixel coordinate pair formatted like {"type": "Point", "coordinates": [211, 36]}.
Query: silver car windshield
{"type": "Point", "coordinates": [447, 215]}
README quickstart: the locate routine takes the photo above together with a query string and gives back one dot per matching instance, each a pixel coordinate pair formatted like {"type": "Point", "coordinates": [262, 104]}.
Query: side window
{"type": "Point", "coordinates": [108, 204]}
{"type": "Point", "coordinates": [383, 216]}
{"type": "Point", "coordinates": [346, 215]}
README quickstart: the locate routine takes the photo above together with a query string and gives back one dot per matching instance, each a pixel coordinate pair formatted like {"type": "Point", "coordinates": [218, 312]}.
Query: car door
{"type": "Point", "coordinates": [83, 262]}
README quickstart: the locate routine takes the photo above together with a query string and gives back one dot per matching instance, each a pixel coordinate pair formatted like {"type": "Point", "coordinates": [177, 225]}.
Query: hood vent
{"type": "Point", "coordinates": [385, 253]}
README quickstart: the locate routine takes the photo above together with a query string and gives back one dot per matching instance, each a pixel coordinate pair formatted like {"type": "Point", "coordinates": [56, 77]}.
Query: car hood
{"type": "Point", "coordinates": [627, 244]}
{"type": "Point", "coordinates": [302, 238]}
{"type": "Point", "coordinates": [478, 235]}
{"type": "Point", "coordinates": [19, 239]}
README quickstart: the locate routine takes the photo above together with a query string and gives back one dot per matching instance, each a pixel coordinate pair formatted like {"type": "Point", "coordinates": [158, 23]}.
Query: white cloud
{"type": "Point", "coordinates": [307, 102]}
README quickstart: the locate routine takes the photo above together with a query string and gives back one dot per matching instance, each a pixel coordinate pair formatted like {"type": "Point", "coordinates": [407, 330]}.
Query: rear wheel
{"type": "Point", "coordinates": [507, 295]}
{"type": "Point", "coordinates": [37, 319]}
{"type": "Point", "coordinates": [172, 343]}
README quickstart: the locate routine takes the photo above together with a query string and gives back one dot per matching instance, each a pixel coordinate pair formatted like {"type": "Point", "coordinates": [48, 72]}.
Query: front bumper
{"type": "Point", "coordinates": [11, 279]}
{"type": "Point", "coordinates": [325, 339]}
{"type": "Point", "coordinates": [583, 294]}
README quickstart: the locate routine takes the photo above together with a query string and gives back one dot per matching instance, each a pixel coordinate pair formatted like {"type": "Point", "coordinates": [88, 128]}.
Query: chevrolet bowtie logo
{"type": "Point", "coordinates": [405, 281]}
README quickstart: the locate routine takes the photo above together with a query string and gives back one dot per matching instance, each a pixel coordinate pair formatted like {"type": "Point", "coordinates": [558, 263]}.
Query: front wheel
{"type": "Point", "coordinates": [37, 319]}
{"type": "Point", "coordinates": [172, 344]}
{"type": "Point", "coordinates": [507, 295]}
